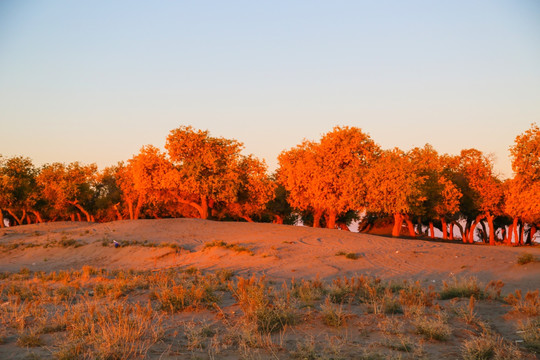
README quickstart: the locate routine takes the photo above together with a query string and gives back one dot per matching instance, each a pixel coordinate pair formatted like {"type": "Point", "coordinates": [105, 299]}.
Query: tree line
{"type": "Point", "coordinates": [345, 176]}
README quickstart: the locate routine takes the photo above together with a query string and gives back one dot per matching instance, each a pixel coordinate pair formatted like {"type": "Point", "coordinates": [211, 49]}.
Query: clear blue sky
{"type": "Point", "coordinates": [95, 80]}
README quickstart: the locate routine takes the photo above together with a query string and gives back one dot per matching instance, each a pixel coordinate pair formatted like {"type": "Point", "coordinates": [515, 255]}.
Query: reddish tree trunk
{"type": "Point", "coordinates": [278, 219]}
{"type": "Point", "coordinates": [118, 214]}
{"type": "Point", "coordinates": [514, 231]}
{"type": "Point", "coordinates": [343, 226]}
{"type": "Point", "coordinates": [532, 232]}
{"type": "Point", "coordinates": [2, 219]}
{"type": "Point", "coordinates": [72, 216]}
{"type": "Point", "coordinates": [473, 228]}
{"type": "Point", "coordinates": [137, 212]}
{"type": "Point", "coordinates": [444, 229]}
{"type": "Point", "coordinates": [398, 221]}
{"type": "Point", "coordinates": [331, 220]}
{"type": "Point", "coordinates": [451, 230]}
{"type": "Point", "coordinates": [130, 209]}
{"type": "Point", "coordinates": [79, 217]}
{"type": "Point", "coordinates": [317, 218]}
{"type": "Point", "coordinates": [410, 226]}
{"type": "Point", "coordinates": [431, 230]}
{"type": "Point", "coordinates": [491, 229]}
{"type": "Point", "coordinates": [204, 207]}
{"type": "Point", "coordinates": [504, 235]}
{"type": "Point", "coordinates": [18, 220]}
{"type": "Point", "coordinates": [247, 218]}
{"type": "Point", "coordinates": [38, 216]}
{"type": "Point", "coordinates": [78, 206]}
{"type": "Point", "coordinates": [28, 220]}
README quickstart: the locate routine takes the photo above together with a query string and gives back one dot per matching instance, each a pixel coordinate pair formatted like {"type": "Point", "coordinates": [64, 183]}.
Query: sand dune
{"type": "Point", "coordinates": [280, 252]}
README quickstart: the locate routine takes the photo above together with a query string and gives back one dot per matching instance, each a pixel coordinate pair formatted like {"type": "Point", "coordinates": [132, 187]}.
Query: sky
{"type": "Point", "coordinates": [93, 81]}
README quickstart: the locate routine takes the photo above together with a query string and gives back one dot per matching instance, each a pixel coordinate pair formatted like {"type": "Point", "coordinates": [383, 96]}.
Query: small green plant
{"type": "Point", "coordinates": [224, 245]}
{"type": "Point", "coordinates": [461, 288]}
{"type": "Point", "coordinates": [348, 255]}
{"type": "Point", "coordinates": [526, 258]}
{"type": "Point", "coordinates": [333, 314]}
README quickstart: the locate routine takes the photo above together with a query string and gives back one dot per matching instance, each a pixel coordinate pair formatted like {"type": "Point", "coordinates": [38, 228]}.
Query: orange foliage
{"type": "Point", "coordinates": [326, 177]}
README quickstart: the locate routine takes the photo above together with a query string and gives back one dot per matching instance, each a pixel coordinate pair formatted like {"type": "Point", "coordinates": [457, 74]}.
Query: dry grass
{"type": "Point", "coordinates": [100, 314]}
{"type": "Point", "coordinates": [528, 304]}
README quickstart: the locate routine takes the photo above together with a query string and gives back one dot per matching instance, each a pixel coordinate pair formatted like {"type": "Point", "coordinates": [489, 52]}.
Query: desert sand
{"type": "Point", "coordinates": [280, 252]}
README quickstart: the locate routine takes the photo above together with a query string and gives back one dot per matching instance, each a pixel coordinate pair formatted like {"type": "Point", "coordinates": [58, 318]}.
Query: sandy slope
{"type": "Point", "coordinates": [280, 251]}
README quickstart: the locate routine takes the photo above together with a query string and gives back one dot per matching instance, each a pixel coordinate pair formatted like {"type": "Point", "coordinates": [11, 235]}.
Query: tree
{"type": "Point", "coordinates": [255, 189]}
{"type": "Point", "coordinates": [64, 186]}
{"type": "Point", "coordinates": [523, 191]}
{"type": "Point", "coordinates": [326, 177]}
{"type": "Point", "coordinates": [18, 190]}
{"type": "Point", "coordinates": [394, 188]}
{"type": "Point", "coordinates": [143, 180]}
{"type": "Point", "coordinates": [487, 190]}
{"type": "Point", "coordinates": [440, 193]}
{"type": "Point", "coordinates": [108, 195]}
{"type": "Point", "coordinates": [205, 168]}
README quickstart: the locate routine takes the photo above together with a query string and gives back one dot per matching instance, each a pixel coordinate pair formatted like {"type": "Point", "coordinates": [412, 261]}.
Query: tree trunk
{"type": "Point", "coordinates": [38, 216]}
{"type": "Point", "coordinates": [522, 232]}
{"type": "Point", "coordinates": [78, 206]}
{"type": "Point", "coordinates": [79, 217]}
{"type": "Point", "coordinates": [514, 231]}
{"type": "Point", "coordinates": [28, 220]}
{"type": "Point", "coordinates": [451, 230]}
{"type": "Point", "coordinates": [491, 229]}
{"type": "Point", "coordinates": [343, 226]}
{"type": "Point", "coordinates": [331, 220]}
{"type": "Point", "coordinates": [72, 216]}
{"type": "Point", "coordinates": [410, 226]}
{"type": "Point", "coordinates": [18, 220]}
{"type": "Point", "coordinates": [278, 219]}
{"type": "Point", "coordinates": [130, 209]}
{"type": "Point", "coordinates": [444, 229]}
{"type": "Point", "coordinates": [2, 225]}
{"type": "Point", "coordinates": [473, 228]}
{"type": "Point", "coordinates": [201, 208]}
{"type": "Point", "coordinates": [398, 221]}
{"type": "Point", "coordinates": [532, 232]}
{"type": "Point", "coordinates": [484, 232]}
{"type": "Point", "coordinates": [118, 214]}
{"type": "Point", "coordinates": [317, 218]}
{"type": "Point", "coordinates": [204, 207]}
{"type": "Point", "coordinates": [140, 201]}
{"type": "Point", "coordinates": [247, 218]}
{"type": "Point", "coordinates": [431, 230]}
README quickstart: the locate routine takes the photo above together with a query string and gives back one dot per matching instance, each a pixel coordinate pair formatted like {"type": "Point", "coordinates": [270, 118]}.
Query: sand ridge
{"type": "Point", "coordinates": [280, 252]}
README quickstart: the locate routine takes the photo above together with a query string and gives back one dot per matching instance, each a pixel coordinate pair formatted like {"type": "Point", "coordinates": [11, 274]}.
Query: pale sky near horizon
{"type": "Point", "coordinates": [94, 81]}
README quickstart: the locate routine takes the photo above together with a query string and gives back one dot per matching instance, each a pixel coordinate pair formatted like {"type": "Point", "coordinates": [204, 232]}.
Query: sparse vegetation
{"type": "Point", "coordinates": [224, 245]}
{"type": "Point", "coordinates": [98, 313]}
{"type": "Point", "coordinates": [461, 287]}
{"type": "Point", "coordinates": [348, 255]}
{"type": "Point", "coordinates": [526, 258]}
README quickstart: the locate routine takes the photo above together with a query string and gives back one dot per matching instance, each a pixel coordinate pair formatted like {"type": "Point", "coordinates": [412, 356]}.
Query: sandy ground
{"type": "Point", "coordinates": [280, 252]}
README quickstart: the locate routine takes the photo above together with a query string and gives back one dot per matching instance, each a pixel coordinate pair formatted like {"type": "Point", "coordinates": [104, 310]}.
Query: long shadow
{"type": "Point", "coordinates": [452, 242]}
